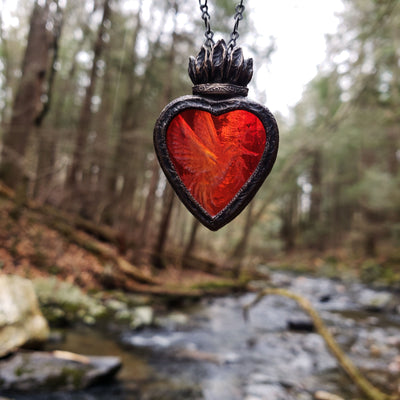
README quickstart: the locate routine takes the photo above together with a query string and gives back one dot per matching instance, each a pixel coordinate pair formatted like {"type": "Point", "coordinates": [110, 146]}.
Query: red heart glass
{"type": "Point", "coordinates": [214, 156]}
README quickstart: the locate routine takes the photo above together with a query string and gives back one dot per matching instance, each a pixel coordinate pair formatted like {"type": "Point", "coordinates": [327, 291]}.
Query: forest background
{"type": "Point", "coordinates": [81, 85]}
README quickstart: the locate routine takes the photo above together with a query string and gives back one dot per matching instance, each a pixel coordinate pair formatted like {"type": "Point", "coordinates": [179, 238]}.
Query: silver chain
{"type": "Point", "coordinates": [209, 34]}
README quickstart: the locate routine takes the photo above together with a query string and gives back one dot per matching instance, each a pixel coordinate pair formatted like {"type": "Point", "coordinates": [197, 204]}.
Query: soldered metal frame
{"type": "Point", "coordinates": [217, 105]}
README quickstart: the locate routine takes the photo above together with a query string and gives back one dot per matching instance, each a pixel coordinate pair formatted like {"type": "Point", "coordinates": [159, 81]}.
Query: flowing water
{"type": "Point", "coordinates": [209, 352]}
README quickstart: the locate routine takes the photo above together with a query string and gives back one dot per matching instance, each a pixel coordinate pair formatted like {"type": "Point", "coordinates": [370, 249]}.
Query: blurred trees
{"type": "Point", "coordinates": [91, 77]}
{"type": "Point", "coordinates": [345, 190]}
{"type": "Point", "coordinates": [27, 99]}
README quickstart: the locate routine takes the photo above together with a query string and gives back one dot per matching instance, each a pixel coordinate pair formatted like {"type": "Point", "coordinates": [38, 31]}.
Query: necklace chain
{"type": "Point", "coordinates": [209, 34]}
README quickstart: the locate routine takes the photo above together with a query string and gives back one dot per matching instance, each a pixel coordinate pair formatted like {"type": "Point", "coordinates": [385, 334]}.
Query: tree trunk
{"type": "Point", "coordinates": [282, 175]}
{"type": "Point", "coordinates": [127, 160]}
{"type": "Point", "coordinates": [143, 239]}
{"type": "Point", "coordinates": [68, 84]}
{"type": "Point", "coordinates": [27, 103]}
{"type": "Point", "coordinates": [47, 139]}
{"type": "Point", "coordinates": [5, 59]}
{"type": "Point", "coordinates": [289, 218]}
{"type": "Point", "coordinates": [99, 155]}
{"type": "Point", "coordinates": [316, 194]}
{"type": "Point", "coordinates": [127, 122]}
{"type": "Point", "coordinates": [124, 160]}
{"type": "Point", "coordinates": [192, 239]}
{"type": "Point", "coordinates": [46, 163]}
{"type": "Point", "coordinates": [158, 251]}
{"type": "Point", "coordinates": [169, 193]}
{"type": "Point", "coordinates": [240, 249]}
{"type": "Point", "coordinates": [315, 222]}
{"type": "Point", "coordinates": [85, 119]}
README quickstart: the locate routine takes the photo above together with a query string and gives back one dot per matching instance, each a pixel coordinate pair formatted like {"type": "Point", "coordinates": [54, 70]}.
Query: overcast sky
{"type": "Point", "coordinates": [299, 27]}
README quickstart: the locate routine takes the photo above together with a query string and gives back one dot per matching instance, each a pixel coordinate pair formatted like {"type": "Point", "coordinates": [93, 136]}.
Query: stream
{"type": "Point", "coordinates": [208, 351]}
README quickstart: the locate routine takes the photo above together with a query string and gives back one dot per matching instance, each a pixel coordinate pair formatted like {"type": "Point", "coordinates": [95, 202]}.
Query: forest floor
{"type": "Point", "coordinates": [34, 243]}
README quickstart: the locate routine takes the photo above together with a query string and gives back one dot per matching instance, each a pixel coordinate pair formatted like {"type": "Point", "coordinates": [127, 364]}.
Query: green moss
{"type": "Point", "coordinates": [217, 285]}
{"type": "Point", "coordinates": [54, 269]}
{"type": "Point", "coordinates": [68, 378]}
{"type": "Point", "coordinates": [74, 376]}
{"type": "Point", "coordinates": [21, 370]}
{"type": "Point", "coordinates": [74, 303]}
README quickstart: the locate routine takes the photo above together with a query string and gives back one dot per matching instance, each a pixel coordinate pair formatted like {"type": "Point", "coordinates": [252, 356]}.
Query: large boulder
{"type": "Point", "coordinates": [59, 370]}
{"type": "Point", "coordinates": [21, 321]}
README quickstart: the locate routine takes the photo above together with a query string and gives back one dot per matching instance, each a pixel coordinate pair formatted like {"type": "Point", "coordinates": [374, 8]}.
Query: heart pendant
{"type": "Point", "coordinates": [216, 147]}
{"type": "Point", "coordinates": [215, 153]}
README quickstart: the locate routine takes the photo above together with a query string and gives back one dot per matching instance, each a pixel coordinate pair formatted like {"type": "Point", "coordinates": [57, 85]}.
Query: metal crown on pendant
{"type": "Point", "coordinates": [220, 71]}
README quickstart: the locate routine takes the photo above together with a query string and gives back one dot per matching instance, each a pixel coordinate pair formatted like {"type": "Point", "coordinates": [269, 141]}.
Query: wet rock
{"type": "Point", "coordinates": [323, 293]}
{"type": "Point", "coordinates": [279, 279]}
{"type": "Point", "coordinates": [300, 325]}
{"type": "Point", "coordinates": [267, 392]}
{"type": "Point", "coordinates": [124, 315]}
{"type": "Point", "coordinates": [135, 318]}
{"type": "Point", "coordinates": [115, 305]}
{"type": "Point", "coordinates": [375, 301]}
{"type": "Point", "coordinates": [42, 371]}
{"type": "Point", "coordinates": [142, 316]}
{"type": "Point", "coordinates": [259, 378]}
{"type": "Point", "coordinates": [303, 396]}
{"type": "Point", "coordinates": [172, 391]}
{"type": "Point", "coordinates": [263, 270]}
{"type": "Point", "coordinates": [21, 321]}
{"type": "Point", "coordinates": [172, 321]}
{"type": "Point", "coordinates": [324, 298]}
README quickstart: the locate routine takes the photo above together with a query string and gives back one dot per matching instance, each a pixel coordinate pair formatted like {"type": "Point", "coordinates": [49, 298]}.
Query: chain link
{"type": "Point", "coordinates": [209, 34]}
{"type": "Point", "coordinates": [235, 33]}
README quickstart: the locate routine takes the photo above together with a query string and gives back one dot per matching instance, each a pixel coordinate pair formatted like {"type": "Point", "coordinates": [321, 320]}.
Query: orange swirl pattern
{"type": "Point", "coordinates": [215, 155]}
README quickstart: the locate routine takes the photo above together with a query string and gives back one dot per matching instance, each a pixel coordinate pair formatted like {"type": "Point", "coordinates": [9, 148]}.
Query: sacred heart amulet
{"type": "Point", "coordinates": [216, 147]}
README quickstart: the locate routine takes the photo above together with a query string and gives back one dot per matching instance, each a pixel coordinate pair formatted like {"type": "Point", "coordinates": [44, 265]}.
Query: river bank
{"type": "Point", "coordinates": [205, 350]}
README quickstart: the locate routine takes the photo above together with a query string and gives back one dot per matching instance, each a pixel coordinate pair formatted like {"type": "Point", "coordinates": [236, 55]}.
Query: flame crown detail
{"type": "Point", "coordinates": [220, 65]}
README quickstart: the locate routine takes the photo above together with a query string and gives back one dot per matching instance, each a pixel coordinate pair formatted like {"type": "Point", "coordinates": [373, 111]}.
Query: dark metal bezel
{"type": "Point", "coordinates": [217, 107]}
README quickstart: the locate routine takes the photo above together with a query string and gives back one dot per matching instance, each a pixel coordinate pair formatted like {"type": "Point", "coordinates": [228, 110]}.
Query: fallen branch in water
{"type": "Point", "coordinates": [351, 370]}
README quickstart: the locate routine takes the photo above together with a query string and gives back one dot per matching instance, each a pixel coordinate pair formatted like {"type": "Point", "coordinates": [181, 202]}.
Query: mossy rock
{"type": "Point", "coordinates": [63, 302]}
{"type": "Point", "coordinates": [43, 371]}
